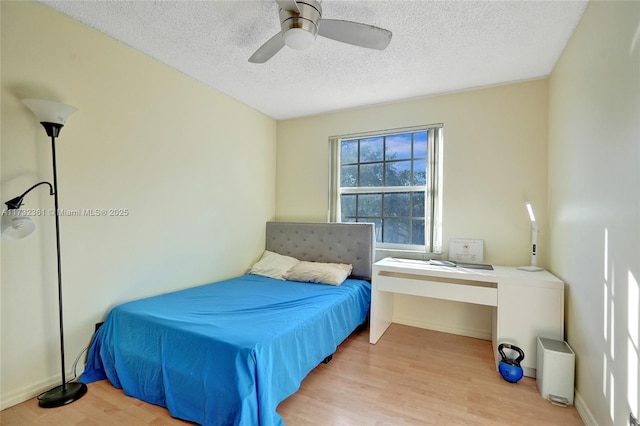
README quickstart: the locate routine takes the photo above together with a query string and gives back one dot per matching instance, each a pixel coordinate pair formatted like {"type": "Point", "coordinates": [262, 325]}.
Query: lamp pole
{"type": "Point", "coordinates": [66, 392]}
{"type": "Point", "coordinates": [54, 132]}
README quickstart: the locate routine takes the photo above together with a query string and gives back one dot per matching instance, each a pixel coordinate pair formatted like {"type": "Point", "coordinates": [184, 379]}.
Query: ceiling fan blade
{"type": "Point", "coordinates": [288, 5]}
{"type": "Point", "coordinates": [362, 35]}
{"type": "Point", "coordinates": [267, 50]}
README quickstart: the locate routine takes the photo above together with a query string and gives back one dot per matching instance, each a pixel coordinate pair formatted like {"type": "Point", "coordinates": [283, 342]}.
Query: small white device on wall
{"type": "Point", "coordinates": [466, 250]}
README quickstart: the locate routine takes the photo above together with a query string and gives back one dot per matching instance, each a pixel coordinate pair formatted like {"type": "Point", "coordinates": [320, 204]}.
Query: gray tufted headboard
{"type": "Point", "coordinates": [352, 243]}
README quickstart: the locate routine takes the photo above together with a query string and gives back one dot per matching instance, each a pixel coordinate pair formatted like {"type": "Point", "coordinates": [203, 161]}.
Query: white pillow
{"type": "Point", "coordinates": [316, 272]}
{"type": "Point", "coordinates": [273, 265]}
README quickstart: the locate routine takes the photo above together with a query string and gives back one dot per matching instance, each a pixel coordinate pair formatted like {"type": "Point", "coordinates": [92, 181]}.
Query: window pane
{"type": "Point", "coordinates": [397, 204]}
{"type": "Point", "coordinates": [348, 205]}
{"type": "Point", "coordinates": [419, 144]}
{"type": "Point", "coordinates": [349, 152]}
{"type": "Point", "coordinates": [371, 150]}
{"type": "Point", "coordinates": [417, 235]}
{"type": "Point", "coordinates": [371, 174]}
{"type": "Point", "coordinates": [420, 172]}
{"type": "Point", "coordinates": [378, 230]}
{"type": "Point", "coordinates": [398, 147]}
{"type": "Point", "coordinates": [398, 173]}
{"type": "Point", "coordinates": [370, 205]}
{"type": "Point", "coordinates": [348, 176]}
{"type": "Point", "coordinates": [418, 204]}
{"type": "Point", "coordinates": [396, 231]}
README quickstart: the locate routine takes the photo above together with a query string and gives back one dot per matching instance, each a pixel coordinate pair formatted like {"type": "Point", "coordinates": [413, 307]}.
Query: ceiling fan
{"type": "Point", "coordinates": [301, 21]}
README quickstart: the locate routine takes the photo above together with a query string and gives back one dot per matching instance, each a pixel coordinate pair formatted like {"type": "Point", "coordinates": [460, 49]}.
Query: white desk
{"type": "Point", "coordinates": [526, 304]}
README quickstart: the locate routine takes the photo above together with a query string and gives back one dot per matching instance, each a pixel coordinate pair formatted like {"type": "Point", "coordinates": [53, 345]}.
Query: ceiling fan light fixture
{"type": "Point", "coordinates": [301, 21]}
{"type": "Point", "coordinates": [298, 39]}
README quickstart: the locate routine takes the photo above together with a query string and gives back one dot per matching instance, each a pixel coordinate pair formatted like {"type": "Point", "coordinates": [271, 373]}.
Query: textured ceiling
{"type": "Point", "coordinates": [437, 47]}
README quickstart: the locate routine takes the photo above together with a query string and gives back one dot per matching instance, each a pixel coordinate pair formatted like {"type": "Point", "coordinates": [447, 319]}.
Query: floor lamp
{"type": "Point", "coordinates": [52, 116]}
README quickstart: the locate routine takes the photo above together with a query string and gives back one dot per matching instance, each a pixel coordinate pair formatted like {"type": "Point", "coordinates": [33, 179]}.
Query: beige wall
{"type": "Point", "coordinates": [194, 168]}
{"type": "Point", "coordinates": [495, 150]}
{"type": "Point", "coordinates": [594, 205]}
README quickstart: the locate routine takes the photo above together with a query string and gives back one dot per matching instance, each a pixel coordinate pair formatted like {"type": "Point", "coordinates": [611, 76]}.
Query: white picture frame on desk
{"type": "Point", "coordinates": [466, 250]}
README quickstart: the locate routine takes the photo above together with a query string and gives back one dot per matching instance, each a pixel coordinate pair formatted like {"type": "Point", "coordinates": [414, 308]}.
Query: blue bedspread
{"type": "Point", "coordinates": [225, 353]}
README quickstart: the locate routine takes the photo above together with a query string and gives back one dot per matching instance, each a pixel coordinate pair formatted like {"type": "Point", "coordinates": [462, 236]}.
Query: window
{"type": "Point", "coordinates": [392, 179]}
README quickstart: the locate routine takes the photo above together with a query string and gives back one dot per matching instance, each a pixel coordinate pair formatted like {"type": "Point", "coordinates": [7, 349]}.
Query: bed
{"type": "Point", "coordinates": [228, 353]}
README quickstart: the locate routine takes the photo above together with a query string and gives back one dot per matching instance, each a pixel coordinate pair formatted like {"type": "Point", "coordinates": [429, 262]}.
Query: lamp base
{"type": "Point", "coordinates": [62, 395]}
{"type": "Point", "coordinates": [530, 268]}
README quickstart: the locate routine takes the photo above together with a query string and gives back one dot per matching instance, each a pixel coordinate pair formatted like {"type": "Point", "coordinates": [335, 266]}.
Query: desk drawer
{"type": "Point", "coordinates": [478, 292]}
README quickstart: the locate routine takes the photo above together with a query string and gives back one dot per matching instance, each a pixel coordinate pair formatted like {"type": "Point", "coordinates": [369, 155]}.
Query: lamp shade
{"type": "Point", "coordinates": [50, 111]}
{"type": "Point", "coordinates": [16, 226]}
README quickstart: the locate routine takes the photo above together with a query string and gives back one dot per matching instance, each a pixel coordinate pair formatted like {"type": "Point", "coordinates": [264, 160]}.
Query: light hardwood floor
{"type": "Point", "coordinates": [411, 376]}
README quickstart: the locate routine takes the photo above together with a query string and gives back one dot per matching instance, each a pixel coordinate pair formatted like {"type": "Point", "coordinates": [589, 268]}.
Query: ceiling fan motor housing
{"type": "Point", "coordinates": [299, 30]}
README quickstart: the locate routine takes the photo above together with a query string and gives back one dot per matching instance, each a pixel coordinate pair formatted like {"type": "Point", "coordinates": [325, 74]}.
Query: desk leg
{"type": "Point", "coordinates": [494, 336]}
{"type": "Point", "coordinates": [381, 313]}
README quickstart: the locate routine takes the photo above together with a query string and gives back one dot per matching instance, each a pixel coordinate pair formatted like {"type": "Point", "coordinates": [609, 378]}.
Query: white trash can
{"type": "Point", "coordinates": [555, 371]}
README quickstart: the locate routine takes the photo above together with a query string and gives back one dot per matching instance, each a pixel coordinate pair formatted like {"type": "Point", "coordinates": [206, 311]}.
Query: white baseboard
{"type": "Point", "coordinates": [478, 334]}
{"type": "Point", "coordinates": [583, 411]}
{"type": "Point", "coordinates": [31, 391]}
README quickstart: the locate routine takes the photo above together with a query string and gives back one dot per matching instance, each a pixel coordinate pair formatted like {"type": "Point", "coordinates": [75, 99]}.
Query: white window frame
{"type": "Point", "coordinates": [432, 188]}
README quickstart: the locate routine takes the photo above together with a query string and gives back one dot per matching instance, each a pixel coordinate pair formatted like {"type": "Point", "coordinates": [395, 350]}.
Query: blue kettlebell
{"type": "Point", "coordinates": [510, 368]}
